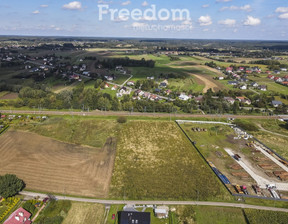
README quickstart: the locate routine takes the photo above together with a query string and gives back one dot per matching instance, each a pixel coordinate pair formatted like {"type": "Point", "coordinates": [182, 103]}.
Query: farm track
{"type": "Point", "coordinates": [138, 114]}
{"type": "Point", "coordinates": [121, 202]}
{"type": "Point", "coordinates": [208, 83]}
{"type": "Point", "coordinates": [270, 132]}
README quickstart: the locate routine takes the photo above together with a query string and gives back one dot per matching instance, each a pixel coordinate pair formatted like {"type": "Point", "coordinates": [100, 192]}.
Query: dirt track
{"type": "Point", "coordinates": [53, 166]}
{"type": "Point", "coordinates": [138, 114]}
{"type": "Point", "coordinates": [208, 83]}
{"type": "Point", "coordinates": [9, 96]}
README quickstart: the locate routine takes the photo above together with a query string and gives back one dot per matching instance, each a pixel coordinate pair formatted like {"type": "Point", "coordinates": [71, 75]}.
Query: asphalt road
{"type": "Point", "coordinates": [137, 114]}
{"type": "Point", "coordinates": [120, 202]}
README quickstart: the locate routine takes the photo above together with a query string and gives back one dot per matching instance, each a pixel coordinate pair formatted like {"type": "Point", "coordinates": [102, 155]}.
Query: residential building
{"type": "Point", "coordinates": [276, 103]}
{"type": "Point", "coordinates": [229, 100]}
{"type": "Point", "coordinates": [184, 97]}
{"type": "Point", "coordinates": [20, 216]}
{"type": "Point", "coordinates": [233, 83]}
{"type": "Point", "coordinates": [127, 217]}
{"type": "Point", "coordinates": [162, 212]}
{"type": "Point", "coordinates": [263, 88]}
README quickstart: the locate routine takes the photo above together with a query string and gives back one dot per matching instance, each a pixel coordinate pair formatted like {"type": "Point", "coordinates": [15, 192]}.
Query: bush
{"type": "Point", "coordinates": [247, 126]}
{"type": "Point", "coordinates": [29, 206]}
{"type": "Point", "coordinates": [121, 120]}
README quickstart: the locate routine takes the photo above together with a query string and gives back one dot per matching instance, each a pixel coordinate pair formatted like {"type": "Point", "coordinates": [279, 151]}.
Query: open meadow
{"type": "Point", "coordinates": [209, 215]}
{"type": "Point", "coordinates": [273, 133]}
{"type": "Point", "coordinates": [85, 213]}
{"type": "Point", "coordinates": [156, 161]}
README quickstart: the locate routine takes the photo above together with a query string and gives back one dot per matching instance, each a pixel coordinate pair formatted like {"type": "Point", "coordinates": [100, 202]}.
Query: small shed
{"type": "Point", "coordinates": [162, 212]}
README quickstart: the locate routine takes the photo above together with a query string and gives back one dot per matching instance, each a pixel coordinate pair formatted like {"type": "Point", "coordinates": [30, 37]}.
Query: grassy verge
{"type": "Point", "coordinates": [85, 213]}
{"type": "Point", "coordinates": [77, 130]}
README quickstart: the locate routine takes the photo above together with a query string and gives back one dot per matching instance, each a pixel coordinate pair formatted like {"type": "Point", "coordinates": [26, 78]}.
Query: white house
{"type": "Point", "coordinates": [184, 97]}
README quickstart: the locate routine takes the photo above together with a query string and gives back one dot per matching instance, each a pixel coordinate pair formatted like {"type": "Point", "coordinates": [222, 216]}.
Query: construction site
{"type": "Point", "coordinates": [242, 163]}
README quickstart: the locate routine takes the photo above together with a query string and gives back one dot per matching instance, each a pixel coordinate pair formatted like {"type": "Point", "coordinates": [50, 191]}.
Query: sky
{"type": "Point", "coordinates": [183, 19]}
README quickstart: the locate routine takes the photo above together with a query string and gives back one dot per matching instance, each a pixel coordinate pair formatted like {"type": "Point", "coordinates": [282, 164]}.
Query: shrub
{"type": "Point", "coordinates": [247, 126]}
{"type": "Point", "coordinates": [121, 120]}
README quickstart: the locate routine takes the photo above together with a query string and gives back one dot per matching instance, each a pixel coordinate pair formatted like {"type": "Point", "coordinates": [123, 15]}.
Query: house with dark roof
{"type": "Point", "coordinates": [276, 103]}
{"type": "Point", "coordinates": [126, 217]}
{"type": "Point", "coordinates": [233, 83]}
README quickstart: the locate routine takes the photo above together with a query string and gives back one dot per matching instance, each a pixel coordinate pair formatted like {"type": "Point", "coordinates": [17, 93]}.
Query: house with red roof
{"type": "Point", "coordinates": [244, 100]}
{"type": "Point", "coordinates": [229, 69]}
{"type": "Point", "coordinates": [19, 216]}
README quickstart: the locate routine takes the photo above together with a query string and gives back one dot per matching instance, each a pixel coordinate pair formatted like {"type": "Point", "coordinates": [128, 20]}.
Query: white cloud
{"type": "Point", "coordinates": [205, 30]}
{"type": "Point", "coordinates": [252, 21]}
{"type": "Point", "coordinates": [126, 3]}
{"type": "Point", "coordinates": [282, 9]}
{"type": "Point", "coordinates": [223, 0]}
{"type": "Point", "coordinates": [187, 22]}
{"type": "Point", "coordinates": [205, 20]}
{"type": "Point", "coordinates": [53, 27]}
{"type": "Point", "coordinates": [36, 12]}
{"type": "Point", "coordinates": [227, 22]}
{"type": "Point", "coordinates": [246, 8]}
{"type": "Point", "coordinates": [205, 6]}
{"type": "Point", "coordinates": [73, 6]}
{"type": "Point", "coordinates": [283, 16]}
{"type": "Point", "coordinates": [104, 2]}
{"type": "Point", "coordinates": [43, 6]}
{"type": "Point", "coordinates": [145, 4]}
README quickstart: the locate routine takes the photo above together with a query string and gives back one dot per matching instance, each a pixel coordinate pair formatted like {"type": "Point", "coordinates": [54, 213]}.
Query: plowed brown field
{"type": "Point", "coordinates": [52, 166]}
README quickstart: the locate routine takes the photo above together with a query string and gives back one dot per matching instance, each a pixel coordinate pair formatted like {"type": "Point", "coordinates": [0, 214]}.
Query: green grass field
{"type": "Point", "coordinates": [266, 217]}
{"type": "Point", "coordinates": [85, 213]}
{"type": "Point", "coordinates": [275, 138]}
{"type": "Point", "coordinates": [77, 130]}
{"type": "Point", "coordinates": [218, 215]}
{"type": "Point", "coordinates": [155, 161]}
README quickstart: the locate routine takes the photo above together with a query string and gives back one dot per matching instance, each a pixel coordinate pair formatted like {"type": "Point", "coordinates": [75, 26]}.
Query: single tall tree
{"type": "Point", "coordinates": [10, 185]}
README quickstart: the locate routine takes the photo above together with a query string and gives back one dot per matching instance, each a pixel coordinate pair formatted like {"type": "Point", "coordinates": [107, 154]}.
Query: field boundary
{"type": "Point", "coordinates": [193, 143]}
{"type": "Point", "coordinates": [4, 129]}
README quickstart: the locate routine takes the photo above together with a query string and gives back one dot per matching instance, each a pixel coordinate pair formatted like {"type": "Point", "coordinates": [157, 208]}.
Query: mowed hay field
{"type": "Point", "coordinates": [54, 166]}
{"type": "Point", "coordinates": [85, 213]}
{"type": "Point", "coordinates": [156, 161]}
{"type": "Point", "coordinates": [76, 130]}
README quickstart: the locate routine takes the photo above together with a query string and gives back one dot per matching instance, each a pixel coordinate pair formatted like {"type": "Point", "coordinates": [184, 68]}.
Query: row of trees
{"type": "Point", "coordinates": [93, 98]}
{"type": "Point", "coordinates": [127, 62]}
